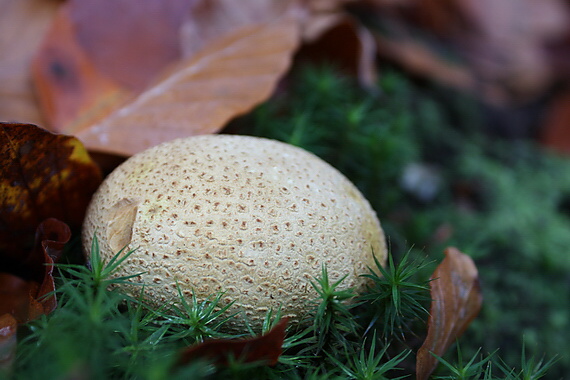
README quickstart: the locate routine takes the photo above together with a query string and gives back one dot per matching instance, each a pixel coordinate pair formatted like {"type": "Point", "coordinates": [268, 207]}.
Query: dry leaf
{"type": "Point", "coordinates": [265, 348]}
{"type": "Point", "coordinates": [107, 31]}
{"type": "Point", "coordinates": [42, 175]}
{"type": "Point", "coordinates": [234, 54]}
{"type": "Point", "coordinates": [339, 39]}
{"type": "Point", "coordinates": [70, 88]}
{"type": "Point", "coordinates": [228, 78]}
{"type": "Point", "coordinates": [456, 301]}
{"type": "Point", "coordinates": [22, 26]}
{"type": "Point", "coordinates": [24, 289]}
{"type": "Point", "coordinates": [89, 63]}
{"type": "Point", "coordinates": [8, 329]}
{"type": "Point", "coordinates": [555, 133]}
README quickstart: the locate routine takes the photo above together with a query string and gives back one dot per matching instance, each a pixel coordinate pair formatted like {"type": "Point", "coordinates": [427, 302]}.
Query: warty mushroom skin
{"type": "Point", "coordinates": [253, 217]}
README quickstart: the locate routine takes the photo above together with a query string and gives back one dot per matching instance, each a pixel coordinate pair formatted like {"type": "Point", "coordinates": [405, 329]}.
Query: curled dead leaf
{"type": "Point", "coordinates": [70, 88]}
{"type": "Point", "coordinates": [456, 301]}
{"type": "Point", "coordinates": [26, 289]}
{"type": "Point", "coordinates": [22, 26]}
{"type": "Point", "coordinates": [339, 39]}
{"type": "Point", "coordinates": [203, 93]}
{"type": "Point", "coordinates": [265, 348]}
{"type": "Point", "coordinates": [555, 133]}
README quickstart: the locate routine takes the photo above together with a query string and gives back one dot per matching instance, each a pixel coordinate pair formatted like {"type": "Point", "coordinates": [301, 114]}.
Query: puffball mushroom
{"type": "Point", "coordinates": [252, 217]}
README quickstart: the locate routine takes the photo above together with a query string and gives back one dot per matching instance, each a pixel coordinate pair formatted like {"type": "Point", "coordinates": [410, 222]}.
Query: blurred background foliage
{"type": "Point", "coordinates": [420, 154]}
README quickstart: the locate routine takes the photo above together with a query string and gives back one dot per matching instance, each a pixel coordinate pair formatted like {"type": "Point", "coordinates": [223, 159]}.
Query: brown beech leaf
{"type": "Point", "coordinates": [8, 328]}
{"type": "Point", "coordinates": [51, 237]}
{"type": "Point", "coordinates": [219, 59]}
{"type": "Point", "coordinates": [265, 348]}
{"type": "Point", "coordinates": [88, 63]}
{"type": "Point", "coordinates": [555, 133]}
{"type": "Point", "coordinates": [26, 285]}
{"type": "Point", "coordinates": [228, 78]}
{"type": "Point", "coordinates": [339, 39]}
{"type": "Point", "coordinates": [42, 175]}
{"type": "Point", "coordinates": [456, 301]}
{"type": "Point", "coordinates": [70, 88]}
{"type": "Point", "coordinates": [106, 30]}
{"type": "Point", "coordinates": [22, 26]}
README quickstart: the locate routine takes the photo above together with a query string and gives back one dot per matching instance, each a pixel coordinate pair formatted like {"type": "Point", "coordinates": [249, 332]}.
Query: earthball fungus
{"type": "Point", "coordinates": [253, 217]}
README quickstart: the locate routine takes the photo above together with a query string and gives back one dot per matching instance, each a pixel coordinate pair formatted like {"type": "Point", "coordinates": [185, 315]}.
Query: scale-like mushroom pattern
{"type": "Point", "coordinates": [253, 217]}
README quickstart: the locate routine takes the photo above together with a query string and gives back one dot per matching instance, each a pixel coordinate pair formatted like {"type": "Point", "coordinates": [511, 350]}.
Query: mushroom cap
{"type": "Point", "coordinates": [253, 217]}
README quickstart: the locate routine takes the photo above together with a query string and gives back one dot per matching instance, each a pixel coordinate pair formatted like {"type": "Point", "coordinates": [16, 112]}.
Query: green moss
{"type": "Point", "coordinates": [505, 203]}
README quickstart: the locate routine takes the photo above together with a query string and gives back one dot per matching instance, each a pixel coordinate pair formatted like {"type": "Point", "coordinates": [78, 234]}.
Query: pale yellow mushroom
{"type": "Point", "coordinates": [253, 217]}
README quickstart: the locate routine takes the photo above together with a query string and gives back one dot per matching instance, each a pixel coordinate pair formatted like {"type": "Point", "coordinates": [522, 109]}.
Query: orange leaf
{"type": "Point", "coordinates": [226, 79]}
{"type": "Point", "coordinates": [15, 297]}
{"type": "Point", "coordinates": [233, 55]}
{"type": "Point", "coordinates": [266, 348]}
{"type": "Point", "coordinates": [22, 26]}
{"type": "Point", "coordinates": [69, 86]}
{"type": "Point", "coordinates": [42, 175]}
{"type": "Point", "coordinates": [555, 133]}
{"type": "Point", "coordinates": [456, 301]}
{"type": "Point", "coordinates": [51, 237]}
{"type": "Point", "coordinates": [88, 63]}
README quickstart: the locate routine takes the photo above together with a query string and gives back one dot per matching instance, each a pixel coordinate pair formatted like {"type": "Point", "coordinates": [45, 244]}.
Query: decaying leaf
{"type": "Point", "coordinates": [555, 133]}
{"type": "Point", "coordinates": [89, 63]}
{"type": "Point", "coordinates": [340, 39]}
{"type": "Point", "coordinates": [27, 284]}
{"type": "Point", "coordinates": [8, 327]}
{"type": "Point", "coordinates": [68, 85]}
{"type": "Point", "coordinates": [232, 57]}
{"type": "Point", "coordinates": [223, 81]}
{"type": "Point", "coordinates": [265, 348]}
{"type": "Point", "coordinates": [22, 26]}
{"type": "Point", "coordinates": [456, 301]}
{"type": "Point", "coordinates": [42, 175]}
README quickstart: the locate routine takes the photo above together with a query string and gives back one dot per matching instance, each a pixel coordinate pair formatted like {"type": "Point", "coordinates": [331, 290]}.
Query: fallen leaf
{"type": "Point", "coordinates": [265, 348]}
{"type": "Point", "coordinates": [51, 237]}
{"type": "Point", "coordinates": [456, 301]}
{"type": "Point", "coordinates": [70, 88]}
{"type": "Point", "coordinates": [22, 26]}
{"type": "Point", "coordinates": [227, 79]}
{"type": "Point", "coordinates": [233, 55]}
{"type": "Point", "coordinates": [554, 131]}
{"type": "Point", "coordinates": [339, 39]}
{"type": "Point", "coordinates": [27, 286]}
{"type": "Point", "coordinates": [106, 29]}
{"type": "Point", "coordinates": [42, 175]}
{"type": "Point", "coordinates": [88, 63]}
{"type": "Point", "coordinates": [8, 329]}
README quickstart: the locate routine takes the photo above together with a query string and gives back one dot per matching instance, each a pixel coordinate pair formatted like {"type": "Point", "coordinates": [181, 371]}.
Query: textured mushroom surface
{"type": "Point", "coordinates": [253, 217]}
